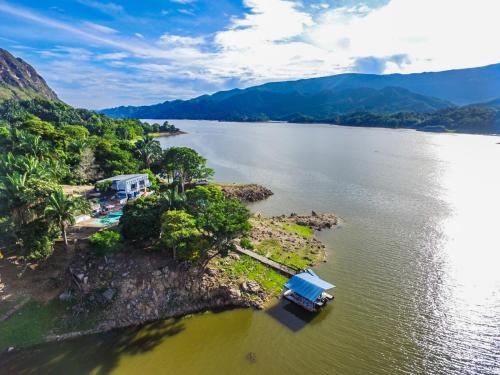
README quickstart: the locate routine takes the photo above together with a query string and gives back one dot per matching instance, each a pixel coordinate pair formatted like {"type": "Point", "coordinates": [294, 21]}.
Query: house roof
{"type": "Point", "coordinates": [308, 285]}
{"type": "Point", "coordinates": [125, 177]}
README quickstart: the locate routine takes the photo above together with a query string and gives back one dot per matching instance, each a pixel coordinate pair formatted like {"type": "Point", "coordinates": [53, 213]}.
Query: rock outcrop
{"type": "Point", "coordinates": [133, 288]}
{"type": "Point", "coordinates": [315, 221]}
{"type": "Point", "coordinates": [247, 193]}
{"type": "Point", "coordinates": [19, 80]}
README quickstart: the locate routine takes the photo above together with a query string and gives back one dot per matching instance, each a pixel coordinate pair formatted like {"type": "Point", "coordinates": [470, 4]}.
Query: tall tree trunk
{"type": "Point", "coordinates": [65, 236]}
{"type": "Point", "coordinates": [182, 184]}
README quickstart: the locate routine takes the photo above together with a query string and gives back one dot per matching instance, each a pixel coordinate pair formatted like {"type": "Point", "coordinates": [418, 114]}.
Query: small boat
{"type": "Point", "coordinates": [307, 290]}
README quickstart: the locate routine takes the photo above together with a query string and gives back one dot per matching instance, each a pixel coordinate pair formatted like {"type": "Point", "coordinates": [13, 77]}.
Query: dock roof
{"type": "Point", "coordinates": [308, 285]}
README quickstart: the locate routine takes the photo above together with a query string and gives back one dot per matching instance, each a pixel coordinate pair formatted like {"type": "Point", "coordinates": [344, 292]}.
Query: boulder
{"type": "Point", "coordinates": [250, 286]}
{"type": "Point", "coordinates": [109, 294]}
{"type": "Point", "coordinates": [65, 296]}
{"type": "Point", "coordinates": [234, 293]}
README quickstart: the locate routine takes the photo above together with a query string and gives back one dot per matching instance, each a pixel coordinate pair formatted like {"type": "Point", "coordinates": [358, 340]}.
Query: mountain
{"type": "Point", "coordinates": [19, 80]}
{"type": "Point", "coordinates": [493, 103]}
{"type": "Point", "coordinates": [339, 94]}
{"type": "Point", "coordinates": [268, 105]}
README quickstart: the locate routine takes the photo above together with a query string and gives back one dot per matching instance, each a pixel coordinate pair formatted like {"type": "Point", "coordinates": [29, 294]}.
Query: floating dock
{"type": "Point", "coordinates": [308, 290]}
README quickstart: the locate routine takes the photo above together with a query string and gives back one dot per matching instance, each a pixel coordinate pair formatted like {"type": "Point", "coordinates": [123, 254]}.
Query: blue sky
{"type": "Point", "coordinates": [97, 54]}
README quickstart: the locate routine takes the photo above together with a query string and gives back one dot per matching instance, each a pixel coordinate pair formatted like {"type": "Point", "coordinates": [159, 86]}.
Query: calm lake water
{"type": "Point", "coordinates": [416, 261]}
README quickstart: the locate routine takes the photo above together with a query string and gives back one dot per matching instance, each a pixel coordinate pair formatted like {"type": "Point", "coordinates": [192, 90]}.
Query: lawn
{"type": "Point", "coordinates": [299, 259]}
{"type": "Point", "coordinates": [30, 324]}
{"type": "Point", "coordinates": [270, 280]}
{"type": "Point", "coordinates": [301, 230]}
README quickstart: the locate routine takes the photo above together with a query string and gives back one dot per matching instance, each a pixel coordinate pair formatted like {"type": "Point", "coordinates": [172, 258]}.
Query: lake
{"type": "Point", "coordinates": [415, 261]}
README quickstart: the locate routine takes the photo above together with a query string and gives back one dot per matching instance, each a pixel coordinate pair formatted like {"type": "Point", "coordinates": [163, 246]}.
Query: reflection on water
{"type": "Point", "coordinates": [294, 317]}
{"type": "Point", "coordinates": [415, 261]}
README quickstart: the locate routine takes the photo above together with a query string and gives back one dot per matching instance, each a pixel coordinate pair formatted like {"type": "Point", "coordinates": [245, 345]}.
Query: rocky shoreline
{"type": "Point", "coordinates": [136, 287]}
{"type": "Point", "coordinates": [247, 193]}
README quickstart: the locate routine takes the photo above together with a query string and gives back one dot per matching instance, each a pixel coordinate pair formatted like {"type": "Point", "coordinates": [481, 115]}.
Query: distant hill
{"type": "Point", "coordinates": [493, 103]}
{"type": "Point", "coordinates": [19, 80]}
{"type": "Point", "coordinates": [338, 94]}
{"type": "Point", "coordinates": [267, 105]}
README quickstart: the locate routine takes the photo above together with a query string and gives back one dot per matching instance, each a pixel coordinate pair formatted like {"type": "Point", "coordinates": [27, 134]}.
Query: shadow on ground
{"type": "Point", "coordinates": [295, 317]}
{"type": "Point", "coordinates": [97, 354]}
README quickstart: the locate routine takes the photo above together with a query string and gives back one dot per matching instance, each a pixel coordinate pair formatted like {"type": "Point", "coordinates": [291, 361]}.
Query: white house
{"type": "Point", "coordinates": [130, 184]}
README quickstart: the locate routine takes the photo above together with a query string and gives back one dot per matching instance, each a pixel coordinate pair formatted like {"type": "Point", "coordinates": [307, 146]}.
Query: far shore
{"type": "Point", "coordinates": [166, 134]}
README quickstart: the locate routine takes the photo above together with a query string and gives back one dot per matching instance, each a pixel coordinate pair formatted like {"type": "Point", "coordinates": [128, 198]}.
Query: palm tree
{"type": "Point", "coordinates": [149, 150]}
{"type": "Point", "coordinates": [13, 194]}
{"type": "Point", "coordinates": [173, 200]}
{"type": "Point", "coordinates": [32, 144]}
{"type": "Point", "coordinates": [62, 209]}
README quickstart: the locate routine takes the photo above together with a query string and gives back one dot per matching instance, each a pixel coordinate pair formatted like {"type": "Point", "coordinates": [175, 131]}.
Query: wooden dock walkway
{"type": "Point", "coordinates": [285, 270]}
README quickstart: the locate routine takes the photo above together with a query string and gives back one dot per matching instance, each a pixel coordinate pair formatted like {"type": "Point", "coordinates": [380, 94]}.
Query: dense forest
{"type": "Point", "coordinates": [469, 119]}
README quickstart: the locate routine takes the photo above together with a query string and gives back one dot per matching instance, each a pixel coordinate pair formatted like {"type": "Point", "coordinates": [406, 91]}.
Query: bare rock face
{"type": "Point", "coordinates": [315, 221]}
{"type": "Point", "coordinates": [246, 192]}
{"type": "Point", "coordinates": [19, 80]}
{"type": "Point", "coordinates": [133, 288]}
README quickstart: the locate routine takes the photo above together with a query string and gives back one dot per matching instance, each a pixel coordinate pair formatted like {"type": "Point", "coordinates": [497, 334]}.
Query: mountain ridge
{"type": "Point", "coordinates": [19, 80]}
{"type": "Point", "coordinates": [338, 94]}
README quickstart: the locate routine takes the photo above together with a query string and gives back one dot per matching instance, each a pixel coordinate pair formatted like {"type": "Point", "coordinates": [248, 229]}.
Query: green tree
{"type": "Point", "coordinates": [173, 200]}
{"type": "Point", "coordinates": [179, 233]}
{"type": "Point", "coordinates": [62, 209]}
{"type": "Point", "coordinates": [105, 242]}
{"type": "Point", "coordinates": [140, 219]}
{"type": "Point", "coordinates": [152, 179]}
{"type": "Point", "coordinates": [221, 222]}
{"type": "Point", "coordinates": [148, 150]}
{"type": "Point", "coordinates": [184, 165]}
{"type": "Point", "coordinates": [14, 196]}
{"type": "Point", "coordinates": [200, 197]}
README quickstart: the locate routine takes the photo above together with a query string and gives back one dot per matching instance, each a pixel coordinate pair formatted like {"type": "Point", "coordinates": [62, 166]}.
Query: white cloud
{"type": "Point", "coordinates": [108, 8]}
{"type": "Point", "coordinates": [100, 28]}
{"type": "Point", "coordinates": [435, 35]}
{"type": "Point", "coordinates": [139, 35]}
{"type": "Point", "coordinates": [111, 56]}
{"type": "Point", "coordinates": [182, 1]}
{"type": "Point", "coordinates": [177, 40]}
{"type": "Point", "coordinates": [267, 44]}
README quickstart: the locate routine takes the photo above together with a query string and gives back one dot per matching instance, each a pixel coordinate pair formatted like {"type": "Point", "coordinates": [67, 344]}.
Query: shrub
{"type": "Point", "coordinates": [246, 244]}
{"type": "Point", "coordinates": [104, 186]}
{"type": "Point", "coordinates": [105, 242]}
{"type": "Point", "coordinates": [141, 219]}
{"type": "Point", "coordinates": [153, 179]}
{"type": "Point", "coordinates": [38, 239]}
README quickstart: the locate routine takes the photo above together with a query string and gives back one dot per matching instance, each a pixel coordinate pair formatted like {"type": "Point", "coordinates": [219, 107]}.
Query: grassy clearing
{"type": "Point", "coordinates": [299, 259]}
{"type": "Point", "coordinates": [35, 320]}
{"type": "Point", "coordinates": [270, 280]}
{"type": "Point", "coordinates": [301, 230]}
{"type": "Point", "coordinates": [6, 306]}
{"type": "Point", "coordinates": [30, 324]}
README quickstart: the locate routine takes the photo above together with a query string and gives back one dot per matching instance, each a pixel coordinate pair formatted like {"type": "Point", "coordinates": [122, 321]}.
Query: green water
{"type": "Point", "coordinates": [415, 261]}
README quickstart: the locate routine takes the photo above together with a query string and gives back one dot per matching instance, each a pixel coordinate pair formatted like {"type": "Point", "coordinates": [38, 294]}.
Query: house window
{"type": "Point", "coordinates": [133, 186]}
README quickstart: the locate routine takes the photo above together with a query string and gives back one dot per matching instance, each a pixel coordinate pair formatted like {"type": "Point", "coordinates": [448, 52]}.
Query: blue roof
{"type": "Point", "coordinates": [308, 285]}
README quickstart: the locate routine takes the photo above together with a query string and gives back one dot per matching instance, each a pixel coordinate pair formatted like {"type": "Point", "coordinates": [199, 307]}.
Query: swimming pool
{"type": "Point", "coordinates": [110, 218]}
